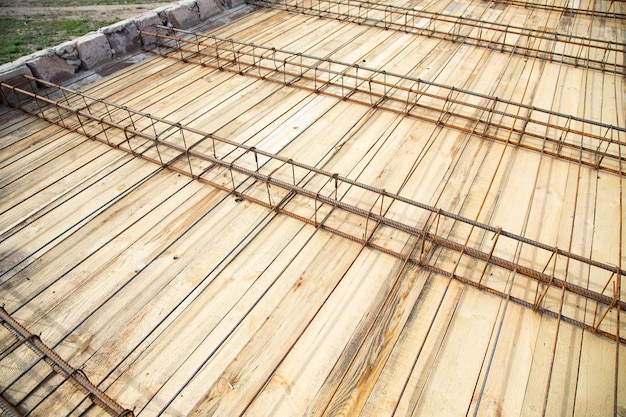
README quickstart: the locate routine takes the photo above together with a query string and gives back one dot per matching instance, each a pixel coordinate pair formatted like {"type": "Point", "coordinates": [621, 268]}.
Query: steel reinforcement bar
{"type": "Point", "coordinates": [593, 53]}
{"type": "Point", "coordinates": [354, 210]}
{"type": "Point", "coordinates": [564, 10]}
{"type": "Point", "coordinates": [571, 138]}
{"type": "Point", "coordinates": [61, 367]}
{"type": "Point", "coordinates": [9, 409]}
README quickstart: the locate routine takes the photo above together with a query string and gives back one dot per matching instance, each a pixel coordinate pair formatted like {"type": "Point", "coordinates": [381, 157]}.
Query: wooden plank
{"type": "Point", "coordinates": [228, 350]}
{"type": "Point", "coordinates": [473, 358]}
{"type": "Point", "coordinates": [416, 175]}
{"type": "Point", "coordinates": [303, 287]}
{"type": "Point", "coordinates": [229, 327]}
{"type": "Point", "coordinates": [330, 340]}
{"type": "Point", "coordinates": [144, 83]}
{"type": "Point", "coordinates": [16, 388]}
{"type": "Point", "coordinates": [36, 153]}
{"type": "Point", "coordinates": [451, 381]}
{"type": "Point", "coordinates": [37, 206]}
{"type": "Point", "coordinates": [522, 329]}
{"type": "Point", "coordinates": [97, 278]}
{"type": "Point", "coordinates": [367, 363]}
{"type": "Point", "coordinates": [12, 136]}
{"type": "Point", "coordinates": [65, 391]}
{"type": "Point", "coordinates": [207, 322]}
{"type": "Point", "coordinates": [391, 380]}
{"type": "Point", "coordinates": [40, 187]}
{"type": "Point", "coordinates": [314, 141]}
{"type": "Point", "coordinates": [116, 85]}
{"type": "Point", "coordinates": [267, 116]}
{"type": "Point", "coordinates": [551, 221]}
{"type": "Point", "coordinates": [403, 380]}
{"type": "Point", "coordinates": [71, 276]}
{"type": "Point", "coordinates": [399, 165]}
{"type": "Point", "coordinates": [22, 248]}
{"type": "Point", "coordinates": [132, 310]}
{"type": "Point", "coordinates": [595, 388]}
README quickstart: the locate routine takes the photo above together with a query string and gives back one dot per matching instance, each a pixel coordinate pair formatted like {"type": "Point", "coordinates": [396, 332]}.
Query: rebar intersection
{"type": "Point", "coordinates": [564, 136]}
{"type": "Point", "coordinates": [587, 52]}
{"type": "Point", "coordinates": [61, 367]}
{"type": "Point", "coordinates": [356, 211]}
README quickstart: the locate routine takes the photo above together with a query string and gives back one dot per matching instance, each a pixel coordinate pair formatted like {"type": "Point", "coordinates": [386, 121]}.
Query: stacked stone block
{"type": "Point", "coordinates": [95, 48]}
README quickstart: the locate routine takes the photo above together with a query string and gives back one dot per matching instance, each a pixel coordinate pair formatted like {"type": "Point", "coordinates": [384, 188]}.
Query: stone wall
{"type": "Point", "coordinates": [63, 61]}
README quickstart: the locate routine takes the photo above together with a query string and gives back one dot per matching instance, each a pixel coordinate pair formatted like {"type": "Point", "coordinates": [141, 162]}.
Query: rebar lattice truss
{"type": "Point", "coordinates": [445, 243]}
{"type": "Point", "coordinates": [566, 10]}
{"type": "Point", "coordinates": [591, 143]}
{"type": "Point", "coordinates": [580, 51]}
{"type": "Point", "coordinates": [61, 367]}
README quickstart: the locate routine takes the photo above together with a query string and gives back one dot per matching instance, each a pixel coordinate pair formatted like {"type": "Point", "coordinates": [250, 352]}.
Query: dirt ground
{"type": "Point", "coordinates": [96, 12]}
{"type": "Point", "coordinates": [32, 25]}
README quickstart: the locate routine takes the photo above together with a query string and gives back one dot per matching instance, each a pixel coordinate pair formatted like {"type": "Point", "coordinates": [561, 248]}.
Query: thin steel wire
{"type": "Point", "coordinates": [242, 163]}
{"type": "Point", "coordinates": [8, 408]}
{"type": "Point", "coordinates": [564, 10]}
{"type": "Point", "coordinates": [60, 366]}
{"type": "Point", "coordinates": [458, 28]}
{"type": "Point", "coordinates": [423, 100]}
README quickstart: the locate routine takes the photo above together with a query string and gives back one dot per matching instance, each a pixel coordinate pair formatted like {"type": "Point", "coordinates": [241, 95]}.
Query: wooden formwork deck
{"type": "Point", "coordinates": [178, 298]}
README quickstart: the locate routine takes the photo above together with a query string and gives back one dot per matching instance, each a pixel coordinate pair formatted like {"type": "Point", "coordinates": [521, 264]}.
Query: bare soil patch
{"type": "Point", "coordinates": [91, 11]}
{"type": "Point", "coordinates": [35, 25]}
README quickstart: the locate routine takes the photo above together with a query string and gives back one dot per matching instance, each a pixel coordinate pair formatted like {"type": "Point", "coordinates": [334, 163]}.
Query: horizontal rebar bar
{"type": "Point", "coordinates": [60, 366]}
{"type": "Point", "coordinates": [179, 148]}
{"type": "Point", "coordinates": [9, 409]}
{"type": "Point", "coordinates": [559, 47]}
{"type": "Point", "coordinates": [545, 131]}
{"type": "Point", "coordinates": [564, 10]}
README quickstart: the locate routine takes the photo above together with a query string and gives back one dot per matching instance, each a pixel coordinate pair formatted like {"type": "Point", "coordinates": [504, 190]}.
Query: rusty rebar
{"type": "Point", "coordinates": [219, 158]}
{"type": "Point", "coordinates": [421, 99]}
{"type": "Point", "coordinates": [60, 366]}
{"type": "Point", "coordinates": [437, 25]}
{"type": "Point", "coordinates": [9, 409]}
{"type": "Point", "coordinates": [564, 10]}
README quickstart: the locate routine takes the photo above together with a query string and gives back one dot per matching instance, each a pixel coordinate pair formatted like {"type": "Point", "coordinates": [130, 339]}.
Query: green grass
{"type": "Point", "coordinates": [23, 36]}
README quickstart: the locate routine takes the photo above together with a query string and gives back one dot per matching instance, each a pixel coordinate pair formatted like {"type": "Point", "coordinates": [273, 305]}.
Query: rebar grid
{"type": "Point", "coordinates": [61, 367]}
{"type": "Point", "coordinates": [571, 138]}
{"type": "Point", "coordinates": [349, 208]}
{"type": "Point", "coordinates": [596, 54]}
{"type": "Point", "coordinates": [564, 10]}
